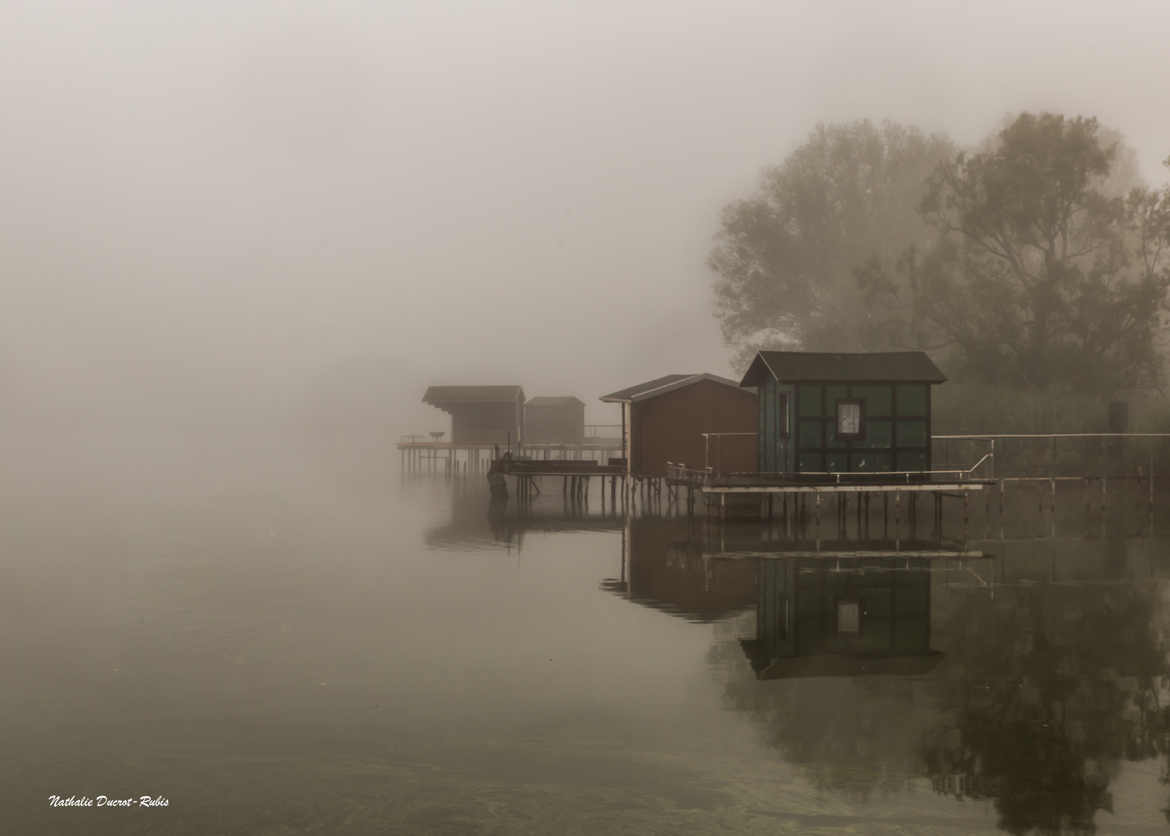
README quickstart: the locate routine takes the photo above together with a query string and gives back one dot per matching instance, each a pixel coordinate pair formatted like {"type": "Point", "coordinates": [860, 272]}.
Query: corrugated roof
{"type": "Point", "coordinates": [662, 385]}
{"type": "Point", "coordinates": [443, 395]}
{"type": "Point", "coordinates": [559, 400]}
{"type": "Point", "coordinates": [883, 366]}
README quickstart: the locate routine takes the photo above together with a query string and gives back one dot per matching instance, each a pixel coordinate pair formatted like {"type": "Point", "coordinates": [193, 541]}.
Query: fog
{"type": "Point", "coordinates": [210, 209]}
{"type": "Point", "coordinates": [238, 241]}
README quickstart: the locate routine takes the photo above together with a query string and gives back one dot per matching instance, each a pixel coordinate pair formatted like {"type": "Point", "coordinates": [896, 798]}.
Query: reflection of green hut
{"type": "Point", "coordinates": [843, 413]}
{"type": "Point", "coordinates": [815, 620]}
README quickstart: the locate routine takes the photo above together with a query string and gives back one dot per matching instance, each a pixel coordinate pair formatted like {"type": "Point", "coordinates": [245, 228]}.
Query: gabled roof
{"type": "Point", "coordinates": [562, 400]}
{"type": "Point", "coordinates": [442, 396]}
{"type": "Point", "coordinates": [630, 391]}
{"type": "Point", "coordinates": [807, 366]}
{"type": "Point", "coordinates": [662, 385]}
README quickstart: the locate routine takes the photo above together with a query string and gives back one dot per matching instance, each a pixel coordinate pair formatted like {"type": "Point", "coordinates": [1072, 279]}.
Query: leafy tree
{"type": "Point", "coordinates": [786, 257]}
{"type": "Point", "coordinates": [1038, 276]}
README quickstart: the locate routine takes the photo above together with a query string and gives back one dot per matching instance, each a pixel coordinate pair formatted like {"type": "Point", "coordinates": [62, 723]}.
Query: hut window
{"type": "Point", "coordinates": [849, 419]}
{"type": "Point", "coordinates": [848, 617]}
{"type": "Point", "coordinates": [782, 403]}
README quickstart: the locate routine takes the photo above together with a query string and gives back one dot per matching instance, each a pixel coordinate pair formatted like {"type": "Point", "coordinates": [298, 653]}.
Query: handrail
{"type": "Point", "coordinates": [680, 470]}
{"type": "Point", "coordinates": [907, 473]}
{"type": "Point", "coordinates": [990, 436]}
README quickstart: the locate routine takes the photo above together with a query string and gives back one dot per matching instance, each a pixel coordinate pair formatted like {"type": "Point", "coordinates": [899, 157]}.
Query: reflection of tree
{"type": "Point", "coordinates": [1042, 693]}
{"type": "Point", "coordinates": [1046, 689]}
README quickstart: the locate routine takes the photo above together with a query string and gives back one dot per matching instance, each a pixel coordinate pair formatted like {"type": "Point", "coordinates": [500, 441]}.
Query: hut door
{"type": "Point", "coordinates": [774, 429]}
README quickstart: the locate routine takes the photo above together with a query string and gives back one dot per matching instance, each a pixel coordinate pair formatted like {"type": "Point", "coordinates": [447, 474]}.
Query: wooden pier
{"type": "Point", "coordinates": [576, 477]}
{"type": "Point", "coordinates": [419, 455]}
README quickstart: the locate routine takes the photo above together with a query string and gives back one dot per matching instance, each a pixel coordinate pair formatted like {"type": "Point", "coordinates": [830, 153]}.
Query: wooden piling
{"type": "Point", "coordinates": [1150, 501]}
{"type": "Point", "coordinates": [1002, 490]}
{"type": "Point", "coordinates": [1052, 506]}
{"type": "Point", "coordinates": [817, 519]}
{"type": "Point", "coordinates": [897, 520]}
{"type": "Point", "coordinates": [966, 514]}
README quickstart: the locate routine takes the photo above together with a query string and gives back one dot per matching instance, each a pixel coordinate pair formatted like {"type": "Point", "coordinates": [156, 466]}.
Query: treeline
{"type": "Point", "coordinates": [1034, 267]}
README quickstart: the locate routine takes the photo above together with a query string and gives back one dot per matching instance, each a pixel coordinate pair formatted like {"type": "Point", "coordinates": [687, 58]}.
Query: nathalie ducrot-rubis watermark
{"type": "Point", "coordinates": [106, 801]}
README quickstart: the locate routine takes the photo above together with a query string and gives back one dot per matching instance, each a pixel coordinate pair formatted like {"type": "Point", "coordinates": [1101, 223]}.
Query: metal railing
{"type": "Point", "coordinates": [679, 472]}
{"type": "Point", "coordinates": [961, 473]}
{"type": "Point", "coordinates": [1018, 455]}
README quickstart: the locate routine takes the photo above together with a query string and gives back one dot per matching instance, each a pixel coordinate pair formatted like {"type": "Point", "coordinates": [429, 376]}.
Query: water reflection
{"type": "Point", "coordinates": [663, 566]}
{"type": "Point", "coordinates": [853, 617]}
{"type": "Point", "coordinates": [1028, 680]}
{"type": "Point", "coordinates": [477, 521]}
{"type": "Point", "coordinates": [1047, 689]}
{"type": "Point", "coordinates": [1032, 682]}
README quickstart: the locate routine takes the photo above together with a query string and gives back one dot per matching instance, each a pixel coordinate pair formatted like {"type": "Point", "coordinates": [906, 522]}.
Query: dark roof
{"type": "Point", "coordinates": [881, 366]}
{"type": "Point", "coordinates": [563, 400]}
{"type": "Point", "coordinates": [630, 391]}
{"type": "Point", "coordinates": [662, 385]}
{"type": "Point", "coordinates": [443, 395]}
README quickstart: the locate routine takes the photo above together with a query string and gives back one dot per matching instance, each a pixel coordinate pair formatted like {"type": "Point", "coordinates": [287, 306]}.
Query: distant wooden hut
{"type": "Point", "coordinates": [554, 420]}
{"type": "Point", "coordinates": [481, 414]}
{"type": "Point", "coordinates": [664, 420]}
{"type": "Point", "coordinates": [843, 413]}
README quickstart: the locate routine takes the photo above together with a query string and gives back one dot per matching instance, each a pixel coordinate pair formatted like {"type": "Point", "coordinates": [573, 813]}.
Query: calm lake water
{"type": "Point", "coordinates": [279, 654]}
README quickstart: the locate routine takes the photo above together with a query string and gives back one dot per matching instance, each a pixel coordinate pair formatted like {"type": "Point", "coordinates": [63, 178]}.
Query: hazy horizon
{"type": "Point", "coordinates": [216, 204]}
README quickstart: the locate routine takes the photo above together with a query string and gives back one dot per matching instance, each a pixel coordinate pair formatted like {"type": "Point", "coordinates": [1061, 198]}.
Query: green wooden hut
{"type": "Point", "coordinates": [843, 413]}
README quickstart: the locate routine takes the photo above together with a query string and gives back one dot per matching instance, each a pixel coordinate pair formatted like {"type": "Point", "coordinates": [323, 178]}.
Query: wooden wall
{"type": "Point", "coordinates": [669, 427]}
{"type": "Point", "coordinates": [556, 424]}
{"type": "Point", "coordinates": [486, 423]}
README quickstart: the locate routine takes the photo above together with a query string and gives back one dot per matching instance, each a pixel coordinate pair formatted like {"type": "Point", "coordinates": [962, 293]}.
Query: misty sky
{"type": "Point", "coordinates": [220, 199]}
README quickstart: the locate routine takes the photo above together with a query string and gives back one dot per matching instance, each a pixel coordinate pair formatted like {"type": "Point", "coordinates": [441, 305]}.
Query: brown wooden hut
{"type": "Point", "coordinates": [481, 414]}
{"type": "Point", "coordinates": [664, 420]}
{"type": "Point", "coordinates": [554, 420]}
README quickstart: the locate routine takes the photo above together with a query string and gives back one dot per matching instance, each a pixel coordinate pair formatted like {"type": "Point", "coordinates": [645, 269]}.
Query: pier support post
{"type": "Point", "coordinates": [986, 515]}
{"type": "Point", "coordinates": [1052, 506]}
{"type": "Point", "coordinates": [1002, 491]}
{"type": "Point", "coordinates": [1150, 501]}
{"type": "Point", "coordinates": [897, 520]}
{"type": "Point", "coordinates": [966, 515]}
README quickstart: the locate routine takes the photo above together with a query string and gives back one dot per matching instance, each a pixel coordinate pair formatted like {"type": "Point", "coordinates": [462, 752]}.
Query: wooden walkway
{"type": "Point", "coordinates": [816, 488]}
{"type": "Point", "coordinates": [851, 554]}
{"type": "Point", "coordinates": [456, 458]}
